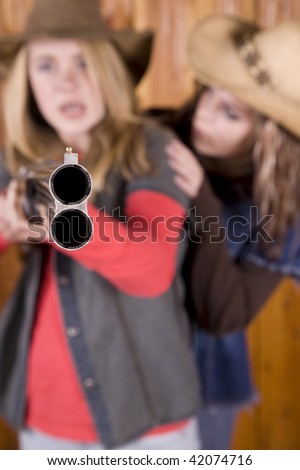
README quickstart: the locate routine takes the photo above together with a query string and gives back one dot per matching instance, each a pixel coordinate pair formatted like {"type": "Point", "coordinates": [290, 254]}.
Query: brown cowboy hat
{"type": "Point", "coordinates": [259, 66]}
{"type": "Point", "coordinates": [78, 19]}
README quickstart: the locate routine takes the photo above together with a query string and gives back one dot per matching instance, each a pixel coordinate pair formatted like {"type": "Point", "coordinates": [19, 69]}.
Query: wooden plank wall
{"type": "Point", "coordinates": [274, 338]}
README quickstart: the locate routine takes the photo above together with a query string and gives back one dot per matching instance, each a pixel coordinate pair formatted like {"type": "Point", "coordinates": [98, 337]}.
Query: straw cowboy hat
{"type": "Point", "coordinates": [259, 66]}
{"type": "Point", "coordinates": [79, 19]}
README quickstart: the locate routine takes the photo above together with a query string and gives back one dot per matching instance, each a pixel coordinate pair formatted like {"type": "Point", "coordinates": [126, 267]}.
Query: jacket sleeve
{"type": "Point", "coordinates": [222, 295]}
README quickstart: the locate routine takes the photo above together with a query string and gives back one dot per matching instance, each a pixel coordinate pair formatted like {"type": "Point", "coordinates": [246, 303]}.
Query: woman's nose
{"type": "Point", "coordinates": [204, 113]}
{"type": "Point", "coordinates": [68, 79]}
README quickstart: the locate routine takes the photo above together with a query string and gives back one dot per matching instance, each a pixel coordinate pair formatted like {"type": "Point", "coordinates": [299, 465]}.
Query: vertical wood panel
{"type": "Point", "coordinates": [280, 344]}
{"type": "Point", "coordinates": [13, 14]}
{"type": "Point", "coordinates": [274, 339]}
{"type": "Point", "coordinates": [10, 267]}
{"type": "Point", "coordinates": [295, 9]}
{"type": "Point", "coordinates": [268, 12]}
{"type": "Point", "coordinates": [168, 79]}
{"type": "Point", "coordinates": [117, 13]}
{"type": "Point", "coordinates": [8, 438]}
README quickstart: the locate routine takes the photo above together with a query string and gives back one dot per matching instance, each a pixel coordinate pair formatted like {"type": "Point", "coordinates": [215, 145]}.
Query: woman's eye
{"type": "Point", "coordinates": [82, 64]}
{"type": "Point", "coordinates": [45, 66]}
{"type": "Point", "coordinates": [230, 113]}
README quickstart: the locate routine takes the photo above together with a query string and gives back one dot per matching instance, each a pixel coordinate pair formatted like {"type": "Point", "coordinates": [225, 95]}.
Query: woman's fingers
{"type": "Point", "coordinates": [179, 152]}
{"type": "Point", "coordinates": [189, 173]}
{"type": "Point", "coordinates": [182, 158]}
{"type": "Point", "coordinates": [180, 164]}
{"type": "Point", "coordinates": [183, 184]}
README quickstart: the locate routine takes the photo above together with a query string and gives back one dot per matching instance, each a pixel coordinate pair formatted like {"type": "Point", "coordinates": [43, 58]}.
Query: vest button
{"type": "Point", "coordinates": [73, 331]}
{"type": "Point", "coordinates": [89, 383]}
{"type": "Point", "coordinates": [64, 280]}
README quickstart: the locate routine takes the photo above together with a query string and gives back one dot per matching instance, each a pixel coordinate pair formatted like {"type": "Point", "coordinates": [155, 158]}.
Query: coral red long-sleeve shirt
{"type": "Point", "coordinates": [56, 403]}
{"type": "Point", "coordinates": [3, 244]}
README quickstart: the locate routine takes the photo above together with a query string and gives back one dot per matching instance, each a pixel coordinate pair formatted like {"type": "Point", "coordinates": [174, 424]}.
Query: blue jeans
{"type": "Point", "coordinates": [217, 425]}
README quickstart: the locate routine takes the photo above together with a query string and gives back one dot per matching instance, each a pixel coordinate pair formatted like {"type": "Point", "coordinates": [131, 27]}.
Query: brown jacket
{"type": "Point", "coordinates": [222, 295]}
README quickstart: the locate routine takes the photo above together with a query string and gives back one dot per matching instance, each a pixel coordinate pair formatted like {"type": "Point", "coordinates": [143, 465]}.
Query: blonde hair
{"type": "Point", "coordinates": [117, 142]}
{"type": "Point", "coordinates": [277, 173]}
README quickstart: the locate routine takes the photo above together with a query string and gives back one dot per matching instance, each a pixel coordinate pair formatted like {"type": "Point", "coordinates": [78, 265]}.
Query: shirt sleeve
{"type": "Point", "coordinates": [139, 256]}
{"type": "Point", "coordinates": [4, 244]}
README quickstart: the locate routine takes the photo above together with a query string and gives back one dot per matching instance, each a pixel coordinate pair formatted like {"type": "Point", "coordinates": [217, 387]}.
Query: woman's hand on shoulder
{"type": "Point", "coordinates": [189, 173]}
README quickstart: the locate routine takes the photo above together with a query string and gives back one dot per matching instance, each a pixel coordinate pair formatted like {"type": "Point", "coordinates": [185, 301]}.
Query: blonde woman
{"type": "Point", "coordinates": [94, 343]}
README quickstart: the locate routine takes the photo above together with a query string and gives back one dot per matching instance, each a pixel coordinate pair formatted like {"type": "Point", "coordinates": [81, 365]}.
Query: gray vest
{"type": "Point", "coordinates": [133, 355]}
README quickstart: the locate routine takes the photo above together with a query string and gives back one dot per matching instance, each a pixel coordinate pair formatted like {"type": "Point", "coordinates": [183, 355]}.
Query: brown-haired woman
{"type": "Point", "coordinates": [94, 344]}
{"type": "Point", "coordinates": [243, 126]}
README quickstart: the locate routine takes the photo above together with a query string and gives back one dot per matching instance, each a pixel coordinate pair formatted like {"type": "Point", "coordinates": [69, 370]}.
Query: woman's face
{"type": "Point", "coordinates": [222, 126]}
{"type": "Point", "coordinates": [66, 96]}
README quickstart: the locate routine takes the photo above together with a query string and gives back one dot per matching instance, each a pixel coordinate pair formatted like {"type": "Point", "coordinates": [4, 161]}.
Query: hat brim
{"type": "Point", "coordinates": [216, 62]}
{"type": "Point", "coordinates": [134, 47]}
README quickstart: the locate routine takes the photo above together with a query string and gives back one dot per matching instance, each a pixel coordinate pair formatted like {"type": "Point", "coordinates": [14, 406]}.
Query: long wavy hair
{"type": "Point", "coordinates": [117, 141]}
{"type": "Point", "coordinates": [277, 175]}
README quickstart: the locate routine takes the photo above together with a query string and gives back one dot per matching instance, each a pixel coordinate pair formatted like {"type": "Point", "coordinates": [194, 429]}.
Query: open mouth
{"type": "Point", "coordinates": [72, 110]}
